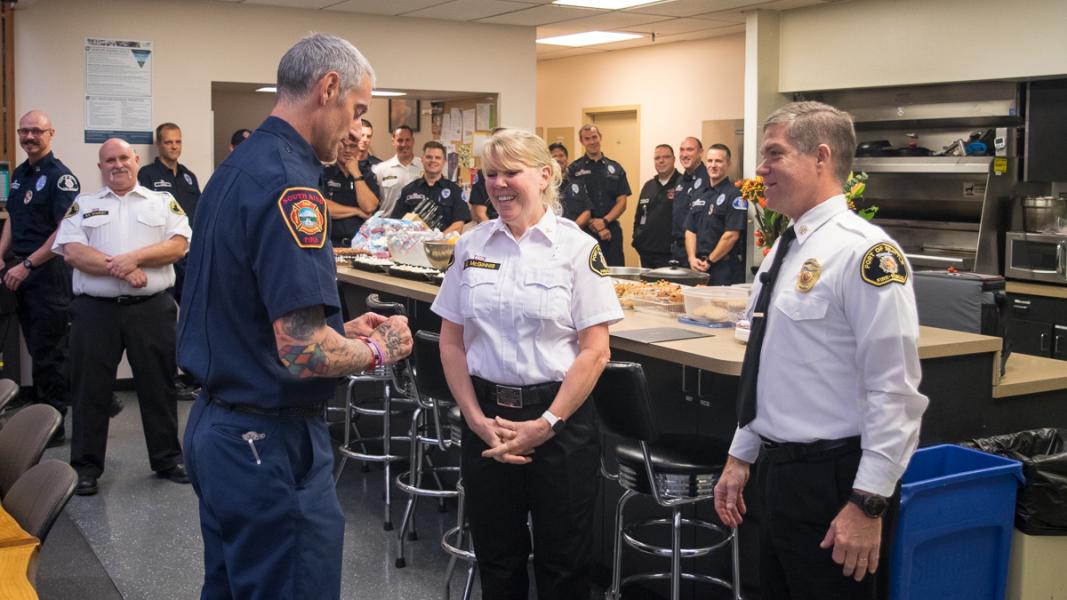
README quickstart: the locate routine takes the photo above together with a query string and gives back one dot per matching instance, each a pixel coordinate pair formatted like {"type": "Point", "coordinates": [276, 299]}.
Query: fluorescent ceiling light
{"type": "Point", "coordinates": [589, 38]}
{"type": "Point", "coordinates": [387, 93]}
{"type": "Point", "coordinates": [605, 4]}
{"type": "Point", "coordinates": [270, 89]}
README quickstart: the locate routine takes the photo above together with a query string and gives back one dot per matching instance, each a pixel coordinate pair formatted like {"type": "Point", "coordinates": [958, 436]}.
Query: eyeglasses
{"type": "Point", "coordinates": [34, 131]}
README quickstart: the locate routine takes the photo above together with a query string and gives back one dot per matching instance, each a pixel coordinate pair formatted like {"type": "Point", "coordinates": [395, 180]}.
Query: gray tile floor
{"type": "Point", "coordinates": [139, 538]}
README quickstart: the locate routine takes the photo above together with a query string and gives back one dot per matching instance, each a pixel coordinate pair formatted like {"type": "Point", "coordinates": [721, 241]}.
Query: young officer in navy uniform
{"type": "Point", "coordinates": [437, 201]}
{"type": "Point", "coordinates": [350, 194]}
{"type": "Point", "coordinates": [573, 197]}
{"type": "Point", "coordinates": [365, 158]}
{"type": "Point", "coordinates": [652, 219]}
{"type": "Point", "coordinates": [832, 409]}
{"type": "Point", "coordinates": [261, 329]}
{"type": "Point", "coordinates": [525, 313]}
{"type": "Point", "coordinates": [121, 242]}
{"type": "Point", "coordinates": [605, 180]}
{"type": "Point", "coordinates": [715, 228]}
{"type": "Point", "coordinates": [693, 182]}
{"type": "Point", "coordinates": [42, 189]}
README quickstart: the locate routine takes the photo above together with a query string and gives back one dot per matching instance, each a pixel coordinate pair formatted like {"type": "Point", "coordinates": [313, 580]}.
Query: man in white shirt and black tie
{"type": "Point", "coordinates": [828, 398]}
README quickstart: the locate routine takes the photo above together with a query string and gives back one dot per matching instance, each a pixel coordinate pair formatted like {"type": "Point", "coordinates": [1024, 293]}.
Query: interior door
{"type": "Point", "coordinates": [621, 141]}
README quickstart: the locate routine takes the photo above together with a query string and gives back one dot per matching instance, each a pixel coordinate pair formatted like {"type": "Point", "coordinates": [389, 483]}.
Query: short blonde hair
{"type": "Point", "coordinates": [509, 149]}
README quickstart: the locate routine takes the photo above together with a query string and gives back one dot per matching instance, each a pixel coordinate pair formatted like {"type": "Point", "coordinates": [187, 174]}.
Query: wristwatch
{"type": "Point", "coordinates": [873, 506]}
{"type": "Point", "coordinates": [557, 424]}
{"type": "Point", "coordinates": [357, 178]}
{"type": "Point", "coordinates": [28, 264]}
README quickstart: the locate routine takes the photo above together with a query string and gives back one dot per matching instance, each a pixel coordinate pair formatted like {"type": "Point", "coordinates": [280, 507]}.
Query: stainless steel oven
{"type": "Point", "coordinates": [1036, 257]}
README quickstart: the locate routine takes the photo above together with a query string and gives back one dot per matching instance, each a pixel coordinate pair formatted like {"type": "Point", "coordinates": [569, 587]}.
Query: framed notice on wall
{"type": "Point", "coordinates": [403, 111]}
{"type": "Point", "coordinates": [118, 90]}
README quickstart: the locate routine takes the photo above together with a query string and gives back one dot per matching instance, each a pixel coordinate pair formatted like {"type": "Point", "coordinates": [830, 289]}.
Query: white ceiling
{"type": "Point", "coordinates": [661, 22]}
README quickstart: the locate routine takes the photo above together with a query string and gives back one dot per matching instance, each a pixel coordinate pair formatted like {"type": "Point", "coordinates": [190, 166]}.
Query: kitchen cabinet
{"type": "Point", "coordinates": [1037, 325]}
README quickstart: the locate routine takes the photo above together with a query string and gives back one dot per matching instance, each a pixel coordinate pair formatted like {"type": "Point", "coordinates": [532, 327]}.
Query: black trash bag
{"type": "Point", "coordinates": [1041, 506]}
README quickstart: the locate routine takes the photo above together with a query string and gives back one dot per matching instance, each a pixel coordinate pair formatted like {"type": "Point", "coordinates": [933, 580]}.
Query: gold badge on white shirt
{"type": "Point", "coordinates": [808, 275]}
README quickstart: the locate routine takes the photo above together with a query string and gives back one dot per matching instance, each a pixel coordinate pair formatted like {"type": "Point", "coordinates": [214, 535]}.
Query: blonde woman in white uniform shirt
{"type": "Point", "coordinates": [526, 306]}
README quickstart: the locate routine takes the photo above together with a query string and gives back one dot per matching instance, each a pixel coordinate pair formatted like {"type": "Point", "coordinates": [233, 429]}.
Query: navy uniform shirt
{"type": "Point", "coordinates": [604, 179]}
{"type": "Point", "coordinates": [688, 188]}
{"type": "Point", "coordinates": [718, 210]}
{"type": "Point", "coordinates": [40, 195]}
{"type": "Point", "coordinates": [653, 218]}
{"type": "Point", "coordinates": [183, 186]}
{"type": "Point", "coordinates": [573, 199]}
{"type": "Point", "coordinates": [439, 205]}
{"type": "Point", "coordinates": [260, 252]}
{"type": "Point", "coordinates": [480, 196]}
{"type": "Point", "coordinates": [341, 188]}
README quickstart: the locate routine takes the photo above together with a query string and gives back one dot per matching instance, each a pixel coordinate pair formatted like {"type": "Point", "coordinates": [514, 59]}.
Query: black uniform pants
{"type": "Point", "coordinates": [655, 260]}
{"type": "Point", "coordinates": [800, 497]}
{"type": "Point", "coordinates": [43, 313]}
{"type": "Point", "coordinates": [100, 330]}
{"type": "Point", "coordinates": [557, 491]}
{"type": "Point", "coordinates": [612, 248]}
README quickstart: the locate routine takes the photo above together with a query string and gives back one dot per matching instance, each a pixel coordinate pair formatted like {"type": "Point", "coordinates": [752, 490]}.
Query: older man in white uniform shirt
{"type": "Point", "coordinates": [122, 242]}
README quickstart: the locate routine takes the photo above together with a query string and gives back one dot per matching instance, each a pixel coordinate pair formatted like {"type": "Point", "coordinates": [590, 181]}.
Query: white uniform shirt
{"type": "Point", "coordinates": [840, 359]}
{"type": "Point", "coordinates": [116, 225]}
{"type": "Point", "coordinates": [392, 177]}
{"type": "Point", "coordinates": [522, 302]}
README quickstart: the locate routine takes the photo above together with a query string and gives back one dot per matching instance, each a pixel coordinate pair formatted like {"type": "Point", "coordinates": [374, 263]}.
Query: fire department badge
{"type": "Point", "coordinates": [304, 212]}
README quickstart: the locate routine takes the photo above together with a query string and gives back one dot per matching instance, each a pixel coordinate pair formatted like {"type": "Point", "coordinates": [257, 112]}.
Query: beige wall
{"type": "Point", "coordinates": [197, 42]}
{"type": "Point", "coordinates": [902, 42]}
{"type": "Point", "coordinates": [678, 87]}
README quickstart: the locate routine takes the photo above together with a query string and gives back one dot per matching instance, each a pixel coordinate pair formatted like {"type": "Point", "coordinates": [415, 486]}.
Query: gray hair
{"type": "Point", "coordinates": [808, 124]}
{"type": "Point", "coordinates": [312, 58]}
{"type": "Point", "coordinates": [515, 149]}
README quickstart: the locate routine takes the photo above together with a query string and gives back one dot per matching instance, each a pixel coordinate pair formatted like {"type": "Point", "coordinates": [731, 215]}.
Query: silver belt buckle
{"type": "Point", "coordinates": [509, 396]}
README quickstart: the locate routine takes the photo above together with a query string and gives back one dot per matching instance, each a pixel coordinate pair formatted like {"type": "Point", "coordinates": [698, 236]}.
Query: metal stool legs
{"type": "Point", "coordinates": [456, 551]}
{"type": "Point", "coordinates": [411, 482]}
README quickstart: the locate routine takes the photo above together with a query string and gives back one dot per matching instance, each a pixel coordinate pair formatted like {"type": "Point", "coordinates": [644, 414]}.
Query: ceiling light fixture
{"type": "Point", "coordinates": [270, 89]}
{"type": "Point", "coordinates": [589, 38]}
{"type": "Point", "coordinates": [387, 93]}
{"type": "Point", "coordinates": [605, 4]}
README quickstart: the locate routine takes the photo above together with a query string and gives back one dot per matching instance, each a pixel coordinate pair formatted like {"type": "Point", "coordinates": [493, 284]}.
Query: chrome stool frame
{"type": "Point", "coordinates": [452, 540]}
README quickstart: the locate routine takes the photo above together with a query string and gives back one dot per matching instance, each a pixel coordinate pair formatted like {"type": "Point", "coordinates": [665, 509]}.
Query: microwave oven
{"type": "Point", "coordinates": [1036, 256]}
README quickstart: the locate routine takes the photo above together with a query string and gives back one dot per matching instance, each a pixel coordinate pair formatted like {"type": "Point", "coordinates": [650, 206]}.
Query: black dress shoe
{"type": "Point", "coordinates": [186, 393]}
{"type": "Point", "coordinates": [176, 474]}
{"type": "Point", "coordinates": [115, 406]}
{"type": "Point", "coordinates": [58, 438]}
{"type": "Point", "coordinates": [86, 485]}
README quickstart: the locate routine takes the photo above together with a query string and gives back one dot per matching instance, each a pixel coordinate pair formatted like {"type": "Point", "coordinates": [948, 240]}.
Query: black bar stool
{"type": "Point", "coordinates": [431, 395]}
{"type": "Point", "coordinates": [453, 540]}
{"type": "Point", "coordinates": [675, 470]}
{"type": "Point", "coordinates": [393, 402]}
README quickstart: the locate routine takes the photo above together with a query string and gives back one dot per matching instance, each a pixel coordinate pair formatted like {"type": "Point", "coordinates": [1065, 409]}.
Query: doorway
{"type": "Point", "coordinates": [620, 133]}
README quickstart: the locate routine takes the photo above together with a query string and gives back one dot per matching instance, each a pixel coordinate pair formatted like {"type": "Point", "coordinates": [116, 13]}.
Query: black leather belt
{"type": "Point", "coordinates": [124, 299]}
{"type": "Point", "coordinates": [786, 451]}
{"type": "Point", "coordinates": [515, 396]}
{"type": "Point", "coordinates": [286, 411]}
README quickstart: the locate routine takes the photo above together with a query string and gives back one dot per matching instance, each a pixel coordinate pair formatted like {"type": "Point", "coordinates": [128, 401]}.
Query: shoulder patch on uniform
{"type": "Point", "coordinates": [596, 261]}
{"type": "Point", "coordinates": [740, 203]}
{"type": "Point", "coordinates": [883, 264]}
{"type": "Point", "coordinates": [176, 208]}
{"type": "Point", "coordinates": [73, 210]}
{"type": "Point", "coordinates": [304, 212]}
{"type": "Point", "coordinates": [68, 183]}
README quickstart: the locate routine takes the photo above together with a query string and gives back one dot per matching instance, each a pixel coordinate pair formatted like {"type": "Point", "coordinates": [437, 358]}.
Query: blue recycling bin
{"type": "Point", "coordinates": [953, 537]}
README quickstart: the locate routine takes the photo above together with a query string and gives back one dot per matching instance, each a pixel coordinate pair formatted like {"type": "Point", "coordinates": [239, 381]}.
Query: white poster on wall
{"type": "Point", "coordinates": [118, 90]}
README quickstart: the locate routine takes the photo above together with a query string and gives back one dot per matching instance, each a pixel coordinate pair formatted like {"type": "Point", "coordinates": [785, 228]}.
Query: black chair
{"type": "Point", "coordinates": [23, 440]}
{"type": "Point", "coordinates": [674, 470]}
{"type": "Point", "coordinates": [432, 396]}
{"type": "Point", "coordinates": [9, 390]}
{"type": "Point", "coordinates": [38, 497]}
{"type": "Point", "coordinates": [393, 401]}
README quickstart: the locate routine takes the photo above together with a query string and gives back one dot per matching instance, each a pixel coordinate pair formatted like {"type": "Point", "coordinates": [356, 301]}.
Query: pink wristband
{"type": "Point", "coordinates": [379, 356]}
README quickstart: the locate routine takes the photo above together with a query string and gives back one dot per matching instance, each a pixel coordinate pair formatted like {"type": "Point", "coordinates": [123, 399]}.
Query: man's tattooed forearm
{"type": "Point", "coordinates": [305, 361]}
{"type": "Point", "coordinates": [303, 323]}
{"type": "Point", "coordinates": [331, 358]}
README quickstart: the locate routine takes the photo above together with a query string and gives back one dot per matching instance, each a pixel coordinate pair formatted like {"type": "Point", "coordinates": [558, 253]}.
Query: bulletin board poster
{"type": "Point", "coordinates": [118, 90]}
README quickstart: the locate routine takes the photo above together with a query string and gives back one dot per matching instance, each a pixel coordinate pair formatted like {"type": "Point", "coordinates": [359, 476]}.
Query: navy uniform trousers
{"type": "Point", "coordinates": [557, 490]}
{"type": "Point", "coordinates": [272, 530]}
{"type": "Point", "coordinates": [43, 313]}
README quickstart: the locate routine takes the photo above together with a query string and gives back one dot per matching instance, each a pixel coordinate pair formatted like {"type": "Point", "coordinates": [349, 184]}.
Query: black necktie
{"type": "Point", "coordinates": [746, 389]}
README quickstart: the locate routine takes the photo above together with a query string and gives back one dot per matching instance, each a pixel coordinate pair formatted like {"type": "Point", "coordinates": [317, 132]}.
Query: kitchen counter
{"type": "Point", "coordinates": [1048, 290]}
{"type": "Point", "coordinates": [1026, 374]}
{"type": "Point", "coordinates": [718, 353]}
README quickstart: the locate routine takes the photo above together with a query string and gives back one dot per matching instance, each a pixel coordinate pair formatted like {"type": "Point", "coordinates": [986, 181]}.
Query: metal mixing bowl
{"type": "Point", "coordinates": [439, 253]}
{"type": "Point", "coordinates": [631, 273]}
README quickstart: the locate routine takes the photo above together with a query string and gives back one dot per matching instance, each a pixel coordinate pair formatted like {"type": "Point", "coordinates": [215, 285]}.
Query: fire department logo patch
{"type": "Point", "coordinates": [597, 263]}
{"type": "Point", "coordinates": [304, 212]}
{"type": "Point", "coordinates": [884, 264]}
